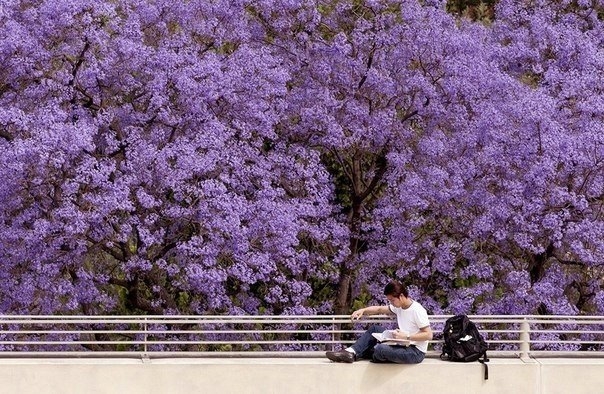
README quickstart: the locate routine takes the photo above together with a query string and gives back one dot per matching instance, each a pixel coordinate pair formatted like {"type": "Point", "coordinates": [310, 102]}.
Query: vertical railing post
{"type": "Point", "coordinates": [525, 338]}
{"type": "Point", "coordinates": [333, 333]}
{"type": "Point", "coordinates": [145, 336]}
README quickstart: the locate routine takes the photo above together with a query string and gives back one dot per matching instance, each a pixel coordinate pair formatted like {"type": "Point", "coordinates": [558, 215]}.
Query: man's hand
{"type": "Point", "coordinates": [356, 315]}
{"type": "Point", "coordinates": [400, 334]}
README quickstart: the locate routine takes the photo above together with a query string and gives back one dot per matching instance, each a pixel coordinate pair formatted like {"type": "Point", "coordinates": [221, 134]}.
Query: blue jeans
{"type": "Point", "coordinates": [368, 347]}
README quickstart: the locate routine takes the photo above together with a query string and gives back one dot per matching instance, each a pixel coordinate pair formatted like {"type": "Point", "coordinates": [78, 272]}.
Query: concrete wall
{"type": "Point", "coordinates": [291, 376]}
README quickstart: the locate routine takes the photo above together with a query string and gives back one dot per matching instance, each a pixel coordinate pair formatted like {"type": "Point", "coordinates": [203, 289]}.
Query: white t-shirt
{"type": "Point", "coordinates": [411, 320]}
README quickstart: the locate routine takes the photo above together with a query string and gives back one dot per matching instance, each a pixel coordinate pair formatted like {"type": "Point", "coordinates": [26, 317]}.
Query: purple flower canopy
{"type": "Point", "coordinates": [250, 157]}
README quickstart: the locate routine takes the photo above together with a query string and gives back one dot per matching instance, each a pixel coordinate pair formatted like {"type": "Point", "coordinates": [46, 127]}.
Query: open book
{"type": "Point", "coordinates": [387, 337]}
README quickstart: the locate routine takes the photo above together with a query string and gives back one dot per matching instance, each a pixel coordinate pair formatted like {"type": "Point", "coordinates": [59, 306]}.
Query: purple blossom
{"type": "Point", "coordinates": [255, 157]}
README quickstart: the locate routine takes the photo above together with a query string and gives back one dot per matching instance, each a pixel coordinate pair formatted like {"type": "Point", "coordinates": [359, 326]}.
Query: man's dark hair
{"type": "Point", "coordinates": [395, 288]}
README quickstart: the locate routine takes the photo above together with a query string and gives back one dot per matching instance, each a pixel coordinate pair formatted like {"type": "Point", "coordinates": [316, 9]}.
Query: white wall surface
{"type": "Point", "coordinates": [292, 376]}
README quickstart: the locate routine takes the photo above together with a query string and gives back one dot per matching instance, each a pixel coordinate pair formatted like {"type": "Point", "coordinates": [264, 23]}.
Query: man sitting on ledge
{"type": "Point", "coordinates": [413, 325]}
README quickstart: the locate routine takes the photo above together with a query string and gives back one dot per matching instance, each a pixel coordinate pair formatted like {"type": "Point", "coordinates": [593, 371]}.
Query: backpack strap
{"type": "Point", "coordinates": [486, 367]}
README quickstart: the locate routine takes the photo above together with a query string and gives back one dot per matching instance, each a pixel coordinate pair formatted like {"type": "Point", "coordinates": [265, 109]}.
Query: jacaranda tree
{"type": "Point", "coordinates": [290, 157]}
{"type": "Point", "coordinates": [141, 165]}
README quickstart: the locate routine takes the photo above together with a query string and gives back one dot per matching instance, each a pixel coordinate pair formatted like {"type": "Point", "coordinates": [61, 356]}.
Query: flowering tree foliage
{"type": "Point", "coordinates": [255, 156]}
{"type": "Point", "coordinates": [140, 161]}
{"type": "Point", "coordinates": [497, 199]}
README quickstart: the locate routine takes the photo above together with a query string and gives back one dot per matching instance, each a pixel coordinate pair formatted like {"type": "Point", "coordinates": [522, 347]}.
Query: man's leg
{"type": "Point", "coordinates": [397, 354]}
{"type": "Point", "coordinates": [362, 348]}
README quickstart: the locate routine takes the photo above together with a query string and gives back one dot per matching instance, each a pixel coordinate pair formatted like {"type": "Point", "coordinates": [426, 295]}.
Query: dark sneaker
{"type": "Point", "coordinates": [340, 357]}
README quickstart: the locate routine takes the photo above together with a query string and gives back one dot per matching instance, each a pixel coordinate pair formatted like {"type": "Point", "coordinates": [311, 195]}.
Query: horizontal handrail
{"type": "Point", "coordinates": [281, 335]}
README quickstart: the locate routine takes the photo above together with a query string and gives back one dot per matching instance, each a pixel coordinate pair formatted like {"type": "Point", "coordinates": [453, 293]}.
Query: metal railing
{"type": "Point", "coordinates": [275, 336]}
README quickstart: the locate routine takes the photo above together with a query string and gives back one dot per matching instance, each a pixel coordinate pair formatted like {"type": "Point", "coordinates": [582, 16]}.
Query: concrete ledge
{"type": "Point", "coordinates": [306, 375]}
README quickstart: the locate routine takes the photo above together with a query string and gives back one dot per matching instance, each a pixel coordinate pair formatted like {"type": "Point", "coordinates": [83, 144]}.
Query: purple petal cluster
{"type": "Point", "coordinates": [292, 157]}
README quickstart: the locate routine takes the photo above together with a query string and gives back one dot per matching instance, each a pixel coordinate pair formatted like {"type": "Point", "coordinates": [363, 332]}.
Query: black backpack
{"type": "Point", "coordinates": [463, 342]}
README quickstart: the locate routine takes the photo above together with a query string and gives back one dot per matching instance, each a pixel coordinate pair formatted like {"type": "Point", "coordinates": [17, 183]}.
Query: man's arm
{"type": "Point", "coordinates": [424, 334]}
{"type": "Point", "coordinates": [371, 310]}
